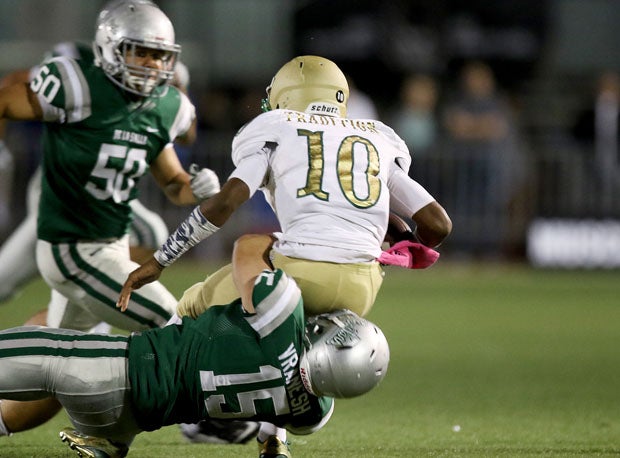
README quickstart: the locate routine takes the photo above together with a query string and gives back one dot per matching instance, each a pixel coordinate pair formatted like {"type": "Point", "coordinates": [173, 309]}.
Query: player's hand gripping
{"type": "Point", "coordinates": [204, 182]}
{"type": "Point", "coordinates": [146, 273]}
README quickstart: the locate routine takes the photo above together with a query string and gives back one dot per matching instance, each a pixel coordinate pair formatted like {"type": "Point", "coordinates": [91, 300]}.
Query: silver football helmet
{"type": "Point", "coordinates": [127, 28]}
{"type": "Point", "coordinates": [346, 355]}
{"type": "Point", "coordinates": [113, 4]}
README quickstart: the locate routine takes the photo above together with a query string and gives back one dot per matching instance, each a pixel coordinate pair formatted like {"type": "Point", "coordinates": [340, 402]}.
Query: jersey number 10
{"type": "Point", "coordinates": [345, 169]}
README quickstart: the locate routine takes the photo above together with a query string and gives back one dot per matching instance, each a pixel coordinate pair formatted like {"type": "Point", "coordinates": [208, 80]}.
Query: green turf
{"type": "Point", "coordinates": [526, 362]}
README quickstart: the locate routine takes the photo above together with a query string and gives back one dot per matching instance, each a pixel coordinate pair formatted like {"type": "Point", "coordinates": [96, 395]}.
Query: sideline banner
{"type": "Point", "coordinates": [574, 243]}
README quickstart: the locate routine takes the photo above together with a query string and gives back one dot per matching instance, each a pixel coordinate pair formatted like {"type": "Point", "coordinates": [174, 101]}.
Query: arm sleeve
{"type": "Point", "coordinates": [252, 168]}
{"type": "Point", "coordinates": [252, 148]}
{"type": "Point", "coordinates": [407, 196]}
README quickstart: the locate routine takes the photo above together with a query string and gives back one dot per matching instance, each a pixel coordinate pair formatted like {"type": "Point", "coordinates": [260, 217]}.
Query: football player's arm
{"type": "Point", "coordinates": [250, 257]}
{"type": "Point", "coordinates": [172, 177]}
{"type": "Point", "coordinates": [18, 76]}
{"type": "Point", "coordinates": [18, 102]}
{"type": "Point", "coordinates": [409, 198]}
{"type": "Point", "coordinates": [433, 224]}
{"type": "Point", "coordinates": [204, 221]}
{"type": "Point", "coordinates": [189, 137]}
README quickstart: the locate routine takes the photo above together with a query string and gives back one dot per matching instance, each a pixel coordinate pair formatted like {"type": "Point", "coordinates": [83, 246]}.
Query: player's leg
{"type": "Point", "coordinates": [147, 232]}
{"type": "Point", "coordinates": [20, 416]}
{"type": "Point", "coordinates": [17, 261]}
{"type": "Point", "coordinates": [217, 289]}
{"type": "Point", "coordinates": [272, 441]}
{"type": "Point", "coordinates": [38, 319]}
{"type": "Point", "coordinates": [328, 286]}
{"type": "Point", "coordinates": [88, 377]}
{"type": "Point", "coordinates": [90, 276]}
{"type": "Point", "coordinates": [250, 255]}
{"type": "Point", "coordinates": [25, 415]}
{"type": "Point", "coordinates": [95, 275]}
{"type": "Point", "coordinates": [25, 402]}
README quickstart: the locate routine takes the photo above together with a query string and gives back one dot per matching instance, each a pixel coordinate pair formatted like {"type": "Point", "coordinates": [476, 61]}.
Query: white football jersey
{"type": "Point", "coordinates": [326, 179]}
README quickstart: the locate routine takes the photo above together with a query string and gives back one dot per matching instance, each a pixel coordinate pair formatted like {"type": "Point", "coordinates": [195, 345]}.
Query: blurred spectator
{"type": "Point", "coordinates": [479, 124]}
{"type": "Point", "coordinates": [597, 128]}
{"type": "Point", "coordinates": [415, 119]}
{"type": "Point", "coordinates": [489, 171]}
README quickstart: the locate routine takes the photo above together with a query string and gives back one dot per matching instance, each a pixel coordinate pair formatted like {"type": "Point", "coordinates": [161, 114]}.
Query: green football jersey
{"type": "Point", "coordinates": [98, 142]}
{"type": "Point", "coordinates": [228, 364]}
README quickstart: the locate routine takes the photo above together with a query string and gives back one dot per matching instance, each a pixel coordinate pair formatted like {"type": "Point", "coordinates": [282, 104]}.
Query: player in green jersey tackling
{"type": "Point", "coordinates": [259, 363]}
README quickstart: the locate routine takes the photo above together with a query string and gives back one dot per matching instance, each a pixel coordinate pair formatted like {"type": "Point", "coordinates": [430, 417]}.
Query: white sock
{"type": "Point", "coordinates": [3, 430]}
{"type": "Point", "coordinates": [268, 429]}
{"type": "Point", "coordinates": [174, 319]}
{"type": "Point", "coordinates": [101, 328]}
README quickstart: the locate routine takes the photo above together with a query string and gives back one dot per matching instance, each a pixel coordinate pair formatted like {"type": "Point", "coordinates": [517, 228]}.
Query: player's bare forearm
{"type": "Point", "coordinates": [172, 178]}
{"type": "Point", "coordinates": [180, 193]}
{"type": "Point", "coordinates": [18, 102]}
{"type": "Point", "coordinates": [250, 257]}
{"type": "Point", "coordinates": [219, 208]}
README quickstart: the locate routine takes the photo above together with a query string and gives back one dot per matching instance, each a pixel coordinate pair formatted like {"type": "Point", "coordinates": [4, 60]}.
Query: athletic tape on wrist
{"type": "Point", "coordinates": [189, 233]}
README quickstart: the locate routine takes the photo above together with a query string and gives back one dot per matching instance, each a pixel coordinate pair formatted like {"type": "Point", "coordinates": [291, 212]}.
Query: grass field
{"type": "Point", "coordinates": [487, 361]}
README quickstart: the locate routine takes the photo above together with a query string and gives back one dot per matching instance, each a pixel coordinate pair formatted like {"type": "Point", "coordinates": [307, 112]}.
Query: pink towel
{"type": "Point", "coordinates": [410, 255]}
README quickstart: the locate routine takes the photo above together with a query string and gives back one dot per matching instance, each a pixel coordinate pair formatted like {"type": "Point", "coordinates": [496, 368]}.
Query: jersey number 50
{"type": "Point", "coordinates": [116, 182]}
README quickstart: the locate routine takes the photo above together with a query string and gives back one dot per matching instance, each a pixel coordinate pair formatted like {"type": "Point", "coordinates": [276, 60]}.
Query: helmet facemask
{"type": "Point", "coordinates": [140, 79]}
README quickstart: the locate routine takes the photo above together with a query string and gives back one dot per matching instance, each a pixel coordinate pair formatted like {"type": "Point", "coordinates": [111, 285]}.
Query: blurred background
{"type": "Point", "coordinates": [510, 107]}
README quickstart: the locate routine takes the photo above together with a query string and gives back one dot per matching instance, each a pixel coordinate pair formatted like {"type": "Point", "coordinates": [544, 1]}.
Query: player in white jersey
{"type": "Point", "coordinates": [332, 182]}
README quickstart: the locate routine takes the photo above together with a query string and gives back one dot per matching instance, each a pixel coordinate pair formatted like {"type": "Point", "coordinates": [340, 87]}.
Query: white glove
{"type": "Point", "coordinates": [204, 182]}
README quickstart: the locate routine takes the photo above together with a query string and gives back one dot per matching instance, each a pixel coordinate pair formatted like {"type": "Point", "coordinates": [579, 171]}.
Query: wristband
{"type": "Point", "coordinates": [189, 233]}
